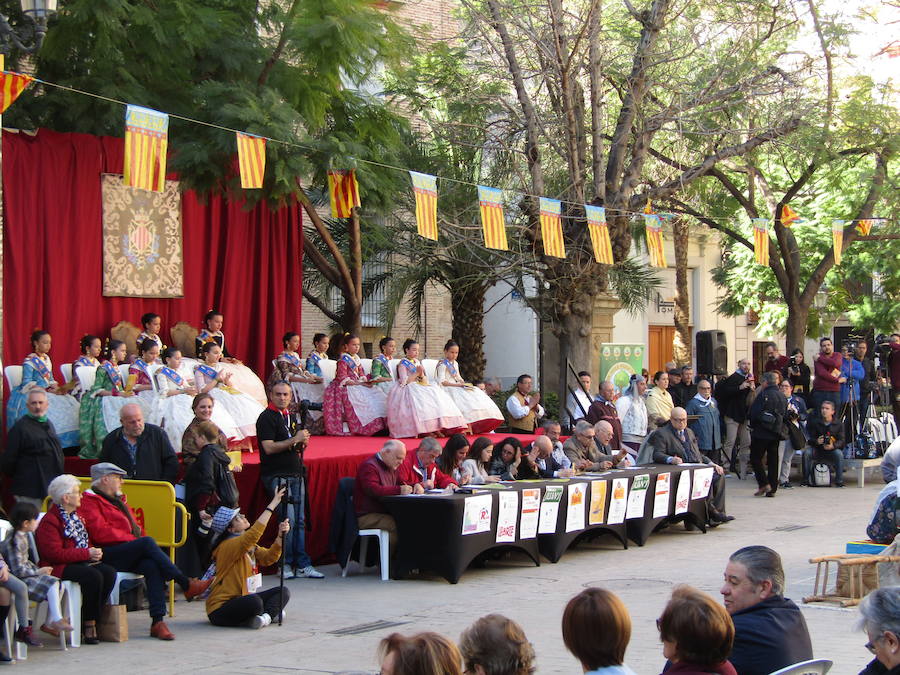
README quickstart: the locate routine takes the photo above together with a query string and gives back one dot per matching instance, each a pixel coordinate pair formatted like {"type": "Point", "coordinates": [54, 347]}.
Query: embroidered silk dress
{"type": "Point", "coordinates": [242, 378]}
{"type": "Point", "coordinates": [86, 362]}
{"type": "Point", "coordinates": [37, 372]}
{"type": "Point", "coordinates": [415, 408]}
{"type": "Point", "coordinates": [381, 368]}
{"type": "Point", "coordinates": [92, 418]}
{"type": "Point", "coordinates": [175, 411]}
{"type": "Point", "coordinates": [147, 399]}
{"type": "Point", "coordinates": [244, 409]}
{"type": "Point", "coordinates": [363, 409]}
{"type": "Point", "coordinates": [288, 364]}
{"type": "Point", "coordinates": [480, 411]}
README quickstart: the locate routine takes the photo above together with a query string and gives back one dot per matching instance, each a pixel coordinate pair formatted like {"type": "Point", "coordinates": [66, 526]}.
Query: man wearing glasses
{"type": "Point", "coordinates": [706, 427]}
{"type": "Point", "coordinates": [880, 614]}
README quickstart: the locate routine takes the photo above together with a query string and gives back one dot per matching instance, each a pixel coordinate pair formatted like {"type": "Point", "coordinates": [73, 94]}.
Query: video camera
{"type": "Point", "coordinates": [883, 347]}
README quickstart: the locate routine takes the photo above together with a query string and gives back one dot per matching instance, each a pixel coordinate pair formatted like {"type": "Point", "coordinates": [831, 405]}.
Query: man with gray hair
{"type": "Point", "coordinates": [583, 452]}
{"type": "Point", "coordinates": [142, 450]}
{"type": "Point", "coordinates": [604, 408]}
{"type": "Point", "coordinates": [767, 415]}
{"type": "Point", "coordinates": [376, 478]}
{"type": "Point", "coordinates": [33, 455]}
{"type": "Point", "coordinates": [880, 618]}
{"type": "Point", "coordinates": [419, 470]}
{"type": "Point", "coordinates": [769, 629]}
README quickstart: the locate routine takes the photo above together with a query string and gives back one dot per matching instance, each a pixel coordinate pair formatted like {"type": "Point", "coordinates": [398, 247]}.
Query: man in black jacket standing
{"type": "Point", "coordinates": [866, 385]}
{"type": "Point", "coordinates": [33, 455]}
{"type": "Point", "coordinates": [769, 630]}
{"type": "Point", "coordinates": [142, 450]}
{"type": "Point", "coordinates": [766, 419]}
{"type": "Point", "coordinates": [732, 395]}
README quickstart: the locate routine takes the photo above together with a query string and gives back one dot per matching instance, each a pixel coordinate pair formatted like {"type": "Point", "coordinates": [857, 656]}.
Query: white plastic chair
{"type": "Point", "coordinates": [5, 529]}
{"type": "Point", "coordinates": [383, 548]}
{"type": "Point", "coordinates": [86, 376]}
{"type": "Point", "coordinates": [813, 667]}
{"type": "Point", "coordinates": [13, 376]}
{"type": "Point", "coordinates": [71, 609]}
{"type": "Point", "coordinates": [66, 369]}
{"type": "Point", "coordinates": [367, 365]}
{"type": "Point", "coordinates": [123, 371]}
{"type": "Point", "coordinates": [328, 368]}
{"type": "Point", "coordinates": [120, 577]}
{"type": "Point", "coordinates": [152, 370]}
{"type": "Point", "coordinates": [430, 366]}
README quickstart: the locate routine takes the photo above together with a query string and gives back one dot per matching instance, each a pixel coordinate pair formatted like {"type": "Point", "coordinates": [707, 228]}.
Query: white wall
{"type": "Point", "coordinates": [511, 336]}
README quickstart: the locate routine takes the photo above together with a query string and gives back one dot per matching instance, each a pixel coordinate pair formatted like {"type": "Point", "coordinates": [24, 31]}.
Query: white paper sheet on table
{"type": "Point", "coordinates": [619, 501]}
{"type": "Point", "coordinates": [477, 514]}
{"type": "Point", "coordinates": [683, 492]}
{"type": "Point", "coordinates": [661, 495]}
{"type": "Point", "coordinates": [702, 482]}
{"type": "Point", "coordinates": [507, 514]}
{"type": "Point", "coordinates": [531, 507]}
{"type": "Point", "coordinates": [550, 509]}
{"type": "Point", "coordinates": [637, 496]}
{"type": "Point", "coordinates": [575, 507]}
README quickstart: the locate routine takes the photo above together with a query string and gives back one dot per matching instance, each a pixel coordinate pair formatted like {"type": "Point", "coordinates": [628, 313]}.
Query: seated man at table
{"type": "Point", "coordinates": [545, 460]}
{"type": "Point", "coordinates": [605, 440]}
{"type": "Point", "coordinates": [552, 430]}
{"type": "Point", "coordinates": [583, 452]}
{"type": "Point", "coordinates": [376, 478]}
{"type": "Point", "coordinates": [674, 443]}
{"type": "Point", "coordinates": [142, 450]}
{"type": "Point", "coordinates": [769, 630]}
{"type": "Point", "coordinates": [111, 526]}
{"type": "Point", "coordinates": [419, 468]}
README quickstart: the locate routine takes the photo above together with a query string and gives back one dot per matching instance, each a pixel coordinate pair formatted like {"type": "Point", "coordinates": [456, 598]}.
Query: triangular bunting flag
{"type": "Point", "coordinates": [864, 226]}
{"type": "Point", "coordinates": [551, 227]}
{"type": "Point", "coordinates": [789, 216]}
{"type": "Point", "coordinates": [761, 241]}
{"type": "Point", "coordinates": [343, 191]}
{"type": "Point", "coordinates": [425, 191]}
{"type": "Point", "coordinates": [146, 144]}
{"type": "Point", "coordinates": [11, 85]}
{"type": "Point", "coordinates": [655, 240]}
{"type": "Point", "coordinates": [490, 201]}
{"type": "Point", "coordinates": [837, 239]}
{"type": "Point", "coordinates": [599, 231]}
{"type": "Point", "coordinates": [648, 207]}
{"type": "Point", "coordinates": [251, 160]}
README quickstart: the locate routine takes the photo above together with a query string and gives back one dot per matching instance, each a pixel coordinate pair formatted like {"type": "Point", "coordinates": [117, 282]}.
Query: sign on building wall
{"type": "Point", "coordinates": [619, 361]}
{"type": "Point", "coordinates": [661, 308]}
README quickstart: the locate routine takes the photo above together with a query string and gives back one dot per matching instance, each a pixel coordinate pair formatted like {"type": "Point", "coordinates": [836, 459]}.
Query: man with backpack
{"type": "Point", "coordinates": [826, 438]}
{"type": "Point", "coordinates": [767, 415]}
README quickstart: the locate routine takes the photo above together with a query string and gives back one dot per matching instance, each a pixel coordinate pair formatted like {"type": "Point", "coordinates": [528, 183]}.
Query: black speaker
{"type": "Point", "coordinates": [712, 353]}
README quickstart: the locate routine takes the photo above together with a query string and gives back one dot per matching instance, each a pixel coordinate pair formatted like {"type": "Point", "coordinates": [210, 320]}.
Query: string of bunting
{"type": "Point", "coordinates": [146, 146]}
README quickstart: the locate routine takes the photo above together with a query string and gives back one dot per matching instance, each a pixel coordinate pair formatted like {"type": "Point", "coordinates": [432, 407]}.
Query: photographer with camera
{"type": "Point", "coordinates": [826, 438]}
{"type": "Point", "coordinates": [282, 441]}
{"type": "Point", "coordinates": [827, 385]}
{"type": "Point", "coordinates": [799, 375]}
{"type": "Point", "coordinates": [868, 383]}
{"type": "Point", "coordinates": [775, 361]}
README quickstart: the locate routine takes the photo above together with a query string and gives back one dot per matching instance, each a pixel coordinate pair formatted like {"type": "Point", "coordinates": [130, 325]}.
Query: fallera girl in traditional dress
{"type": "Point", "coordinates": [417, 407]}
{"type": "Point", "coordinates": [104, 401]}
{"type": "Point", "coordinates": [242, 377]}
{"type": "Point", "coordinates": [289, 368]}
{"type": "Point", "coordinates": [210, 377]}
{"type": "Point", "coordinates": [381, 369]}
{"type": "Point", "coordinates": [37, 372]}
{"type": "Point", "coordinates": [319, 353]}
{"type": "Point", "coordinates": [351, 398]}
{"type": "Point", "coordinates": [480, 411]}
{"type": "Point", "coordinates": [175, 384]}
{"type": "Point", "coordinates": [151, 323]}
{"type": "Point", "coordinates": [91, 348]}
{"type": "Point", "coordinates": [140, 368]}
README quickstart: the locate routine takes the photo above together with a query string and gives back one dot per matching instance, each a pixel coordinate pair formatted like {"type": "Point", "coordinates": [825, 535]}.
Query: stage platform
{"type": "Point", "coordinates": [327, 459]}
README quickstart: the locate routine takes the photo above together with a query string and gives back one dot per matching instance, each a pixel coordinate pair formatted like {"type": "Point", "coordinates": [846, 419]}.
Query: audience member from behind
{"type": "Point", "coordinates": [235, 598]}
{"type": "Point", "coordinates": [33, 455]}
{"type": "Point", "coordinates": [767, 415]}
{"type": "Point", "coordinates": [596, 628]}
{"type": "Point", "coordinates": [880, 619]}
{"type": "Point", "coordinates": [478, 462]}
{"type": "Point", "coordinates": [696, 633]}
{"type": "Point", "coordinates": [884, 523]}
{"type": "Point", "coordinates": [769, 630]}
{"type": "Point", "coordinates": [421, 654]}
{"type": "Point", "coordinates": [495, 645]}
{"type": "Point", "coordinates": [209, 482]}
{"type": "Point", "coordinates": [376, 478]}
{"type": "Point", "coordinates": [143, 450]}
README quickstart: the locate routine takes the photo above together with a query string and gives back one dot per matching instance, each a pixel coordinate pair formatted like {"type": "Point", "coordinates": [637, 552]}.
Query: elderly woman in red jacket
{"type": "Point", "coordinates": [64, 545]}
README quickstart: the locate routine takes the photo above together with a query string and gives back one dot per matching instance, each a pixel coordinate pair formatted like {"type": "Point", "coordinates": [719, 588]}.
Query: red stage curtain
{"type": "Point", "coordinates": [246, 263]}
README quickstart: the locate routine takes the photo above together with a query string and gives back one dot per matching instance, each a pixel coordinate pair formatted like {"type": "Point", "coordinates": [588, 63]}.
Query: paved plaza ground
{"type": "Point", "coordinates": [325, 631]}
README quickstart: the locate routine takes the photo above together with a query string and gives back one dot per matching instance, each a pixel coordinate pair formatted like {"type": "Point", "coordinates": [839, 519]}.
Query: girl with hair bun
{"type": "Point", "coordinates": [90, 348]}
{"type": "Point", "coordinates": [289, 368]}
{"type": "Point", "coordinates": [100, 406]}
{"type": "Point", "coordinates": [381, 364]}
{"type": "Point", "coordinates": [481, 413]}
{"type": "Point", "coordinates": [151, 324]}
{"type": "Point", "coordinates": [242, 377]}
{"type": "Point", "coordinates": [351, 399]}
{"type": "Point", "coordinates": [212, 377]}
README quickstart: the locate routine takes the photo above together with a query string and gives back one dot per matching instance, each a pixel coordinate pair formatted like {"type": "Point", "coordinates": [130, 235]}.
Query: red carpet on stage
{"type": "Point", "coordinates": [328, 459]}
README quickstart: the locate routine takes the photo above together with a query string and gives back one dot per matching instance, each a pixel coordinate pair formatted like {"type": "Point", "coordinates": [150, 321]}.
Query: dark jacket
{"type": "Point", "coordinates": [768, 404]}
{"type": "Point", "coordinates": [605, 410]}
{"type": "Point", "coordinates": [33, 457]}
{"type": "Point", "coordinates": [869, 382]}
{"type": "Point", "coordinates": [682, 392]}
{"type": "Point", "coordinates": [666, 444]}
{"type": "Point", "coordinates": [817, 427]}
{"type": "Point", "coordinates": [801, 380]}
{"type": "Point", "coordinates": [731, 398]}
{"type": "Point", "coordinates": [344, 527]}
{"type": "Point", "coordinates": [155, 457]}
{"type": "Point", "coordinates": [876, 667]}
{"type": "Point", "coordinates": [768, 636]}
{"type": "Point", "coordinates": [551, 466]}
{"type": "Point", "coordinates": [209, 482]}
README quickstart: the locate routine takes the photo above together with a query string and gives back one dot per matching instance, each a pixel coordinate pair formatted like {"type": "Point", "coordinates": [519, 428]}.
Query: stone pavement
{"type": "Point", "coordinates": [326, 627]}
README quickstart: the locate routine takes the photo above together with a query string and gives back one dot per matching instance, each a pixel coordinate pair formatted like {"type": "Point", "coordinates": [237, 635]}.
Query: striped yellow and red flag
{"type": "Point", "coordinates": [551, 227]}
{"type": "Point", "coordinates": [864, 226]}
{"type": "Point", "coordinates": [343, 191]}
{"type": "Point", "coordinates": [146, 144]}
{"type": "Point", "coordinates": [655, 240]}
{"type": "Point", "coordinates": [599, 231]}
{"type": "Point", "coordinates": [425, 191]}
{"type": "Point", "coordinates": [837, 239]}
{"type": "Point", "coordinates": [761, 241]}
{"type": "Point", "coordinates": [251, 160]}
{"type": "Point", "coordinates": [490, 200]}
{"type": "Point", "coordinates": [789, 216]}
{"type": "Point", "coordinates": [11, 85]}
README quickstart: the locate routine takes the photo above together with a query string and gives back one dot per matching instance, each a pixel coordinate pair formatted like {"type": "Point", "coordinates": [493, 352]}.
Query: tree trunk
{"type": "Point", "coordinates": [574, 334]}
{"type": "Point", "coordinates": [682, 345]}
{"type": "Point", "coordinates": [795, 328]}
{"type": "Point", "coordinates": [467, 306]}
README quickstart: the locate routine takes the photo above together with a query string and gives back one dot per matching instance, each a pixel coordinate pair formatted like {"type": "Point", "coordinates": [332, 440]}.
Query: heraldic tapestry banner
{"type": "Point", "coordinates": [142, 251]}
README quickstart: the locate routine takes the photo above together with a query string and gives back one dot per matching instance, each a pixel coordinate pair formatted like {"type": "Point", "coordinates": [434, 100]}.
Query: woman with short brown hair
{"type": "Point", "coordinates": [596, 628]}
{"type": "Point", "coordinates": [697, 634]}
{"type": "Point", "coordinates": [421, 654]}
{"type": "Point", "coordinates": [495, 645]}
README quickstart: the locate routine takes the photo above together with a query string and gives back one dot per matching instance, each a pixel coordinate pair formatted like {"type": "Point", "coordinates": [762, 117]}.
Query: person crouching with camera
{"type": "Point", "coordinates": [234, 595]}
{"type": "Point", "coordinates": [826, 438]}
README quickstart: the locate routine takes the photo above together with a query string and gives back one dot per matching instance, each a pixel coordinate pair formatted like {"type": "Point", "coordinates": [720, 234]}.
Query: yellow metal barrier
{"type": "Point", "coordinates": [157, 511]}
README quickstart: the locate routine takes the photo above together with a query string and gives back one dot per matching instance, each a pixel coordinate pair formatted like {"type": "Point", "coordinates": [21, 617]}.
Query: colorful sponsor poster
{"type": "Point", "coordinates": [477, 514]}
{"type": "Point", "coordinates": [637, 496]}
{"type": "Point", "coordinates": [575, 510]}
{"type": "Point", "coordinates": [507, 513]}
{"type": "Point", "coordinates": [618, 362]}
{"type": "Point", "coordinates": [702, 481]}
{"type": "Point", "coordinates": [619, 502]}
{"type": "Point", "coordinates": [683, 493]}
{"type": "Point", "coordinates": [550, 509]}
{"type": "Point", "coordinates": [531, 504]}
{"type": "Point", "coordinates": [661, 496]}
{"type": "Point", "coordinates": [597, 513]}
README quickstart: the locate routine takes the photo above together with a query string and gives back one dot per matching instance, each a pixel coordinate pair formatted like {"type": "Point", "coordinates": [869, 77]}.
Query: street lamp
{"type": "Point", "coordinates": [28, 37]}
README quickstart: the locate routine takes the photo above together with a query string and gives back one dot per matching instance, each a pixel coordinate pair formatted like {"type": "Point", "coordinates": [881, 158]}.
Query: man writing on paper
{"type": "Point", "coordinates": [419, 470]}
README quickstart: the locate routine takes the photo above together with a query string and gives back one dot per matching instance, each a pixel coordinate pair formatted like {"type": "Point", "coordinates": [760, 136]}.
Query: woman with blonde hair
{"type": "Point", "coordinates": [421, 654]}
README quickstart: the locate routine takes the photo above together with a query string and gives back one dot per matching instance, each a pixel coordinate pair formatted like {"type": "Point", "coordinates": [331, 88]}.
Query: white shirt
{"type": "Point", "coordinates": [577, 413]}
{"type": "Point", "coordinates": [560, 456]}
{"type": "Point", "coordinates": [519, 411]}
